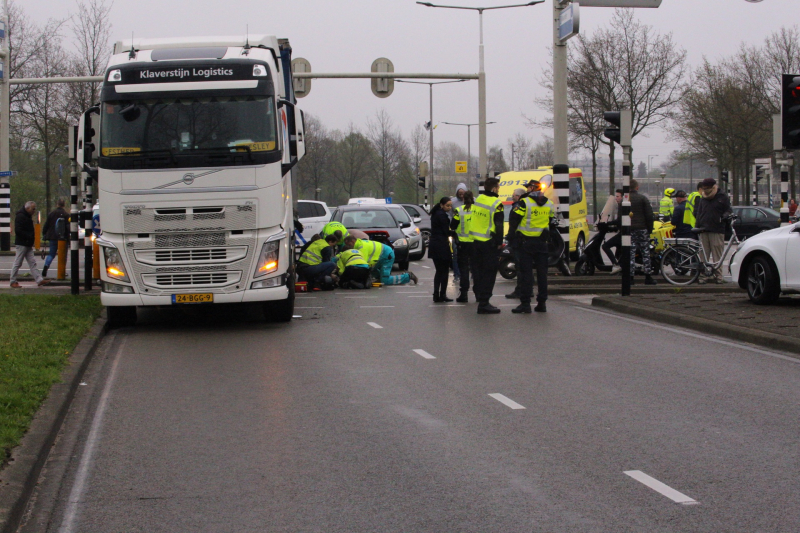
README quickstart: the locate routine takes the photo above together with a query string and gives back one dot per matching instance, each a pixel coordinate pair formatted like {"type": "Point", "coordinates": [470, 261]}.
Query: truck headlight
{"type": "Point", "coordinates": [268, 259]}
{"type": "Point", "coordinates": [400, 242]}
{"type": "Point", "coordinates": [115, 268]}
{"type": "Point", "coordinates": [115, 75]}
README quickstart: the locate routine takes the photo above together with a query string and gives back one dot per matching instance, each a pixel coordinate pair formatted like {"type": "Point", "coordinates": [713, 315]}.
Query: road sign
{"type": "Point", "coordinates": [461, 167]}
{"type": "Point", "coordinates": [767, 161]}
{"type": "Point", "coordinates": [7, 173]}
{"type": "Point", "coordinates": [787, 162]}
{"type": "Point", "coordinates": [382, 87]}
{"type": "Point", "coordinates": [302, 86]}
{"type": "Point", "coordinates": [569, 22]}
{"type": "Point", "coordinates": [620, 3]}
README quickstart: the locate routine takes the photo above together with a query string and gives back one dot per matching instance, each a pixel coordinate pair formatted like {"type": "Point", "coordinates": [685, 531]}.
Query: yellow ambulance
{"type": "Point", "coordinates": [578, 225]}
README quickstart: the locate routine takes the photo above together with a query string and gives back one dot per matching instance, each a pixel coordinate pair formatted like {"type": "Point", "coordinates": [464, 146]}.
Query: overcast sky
{"type": "Point", "coordinates": [346, 36]}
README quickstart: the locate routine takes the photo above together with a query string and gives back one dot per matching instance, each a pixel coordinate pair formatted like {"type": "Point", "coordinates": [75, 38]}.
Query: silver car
{"type": "Point", "coordinates": [416, 246]}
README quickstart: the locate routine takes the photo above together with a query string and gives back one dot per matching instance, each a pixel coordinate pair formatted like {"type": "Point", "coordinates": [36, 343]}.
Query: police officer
{"type": "Point", "coordinates": [486, 228]}
{"type": "Point", "coordinates": [529, 226]}
{"type": "Point", "coordinates": [691, 202]}
{"type": "Point", "coordinates": [460, 224]}
{"type": "Point", "coordinates": [666, 204]}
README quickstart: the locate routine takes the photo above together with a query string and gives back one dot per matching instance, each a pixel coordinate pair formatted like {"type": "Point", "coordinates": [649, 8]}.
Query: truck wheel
{"type": "Point", "coordinates": [403, 265]}
{"type": "Point", "coordinates": [281, 310]}
{"type": "Point", "coordinates": [121, 316]}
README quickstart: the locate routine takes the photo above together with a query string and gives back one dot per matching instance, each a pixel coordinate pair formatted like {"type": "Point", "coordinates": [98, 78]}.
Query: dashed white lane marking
{"type": "Point", "coordinates": [424, 354]}
{"type": "Point", "coordinates": [424, 266]}
{"type": "Point", "coordinates": [506, 401]}
{"type": "Point", "coordinates": [425, 296]}
{"type": "Point", "coordinates": [374, 306]}
{"type": "Point", "coordinates": [659, 487]}
{"type": "Point", "coordinates": [360, 297]}
{"type": "Point", "coordinates": [686, 332]}
{"type": "Point", "coordinates": [374, 325]}
{"type": "Point", "coordinates": [447, 305]}
{"type": "Point", "coordinates": [296, 307]}
{"type": "Point", "coordinates": [76, 494]}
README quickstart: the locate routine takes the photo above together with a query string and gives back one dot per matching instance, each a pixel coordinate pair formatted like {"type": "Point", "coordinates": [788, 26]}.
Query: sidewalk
{"type": "Point", "coordinates": [730, 315]}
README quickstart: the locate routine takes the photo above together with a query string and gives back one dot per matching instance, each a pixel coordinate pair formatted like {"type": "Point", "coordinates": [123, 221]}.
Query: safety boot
{"type": "Point", "coordinates": [462, 297]}
{"type": "Point", "coordinates": [487, 309]}
{"type": "Point", "coordinates": [540, 307]}
{"type": "Point", "coordinates": [522, 308]}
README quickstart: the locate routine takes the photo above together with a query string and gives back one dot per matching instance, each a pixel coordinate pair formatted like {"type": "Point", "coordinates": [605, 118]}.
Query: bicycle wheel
{"type": "Point", "coordinates": [680, 265]}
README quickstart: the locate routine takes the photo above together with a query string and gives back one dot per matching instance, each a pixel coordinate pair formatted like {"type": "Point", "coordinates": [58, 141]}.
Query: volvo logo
{"type": "Point", "coordinates": [187, 179]}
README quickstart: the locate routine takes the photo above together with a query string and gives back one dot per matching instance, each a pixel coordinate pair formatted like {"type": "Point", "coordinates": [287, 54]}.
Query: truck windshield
{"type": "Point", "coordinates": [188, 125]}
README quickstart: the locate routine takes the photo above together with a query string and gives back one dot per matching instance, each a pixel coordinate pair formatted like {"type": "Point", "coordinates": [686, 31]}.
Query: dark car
{"type": "Point", "coordinates": [753, 220]}
{"type": "Point", "coordinates": [380, 224]}
{"type": "Point", "coordinates": [422, 219]}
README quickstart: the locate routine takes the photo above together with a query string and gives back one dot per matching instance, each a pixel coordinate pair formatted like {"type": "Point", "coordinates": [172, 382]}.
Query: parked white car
{"type": "Point", "coordinates": [768, 264]}
{"type": "Point", "coordinates": [313, 215]}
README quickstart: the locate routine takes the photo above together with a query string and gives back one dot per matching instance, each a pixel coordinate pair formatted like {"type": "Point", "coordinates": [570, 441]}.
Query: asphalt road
{"type": "Point", "coordinates": [380, 411]}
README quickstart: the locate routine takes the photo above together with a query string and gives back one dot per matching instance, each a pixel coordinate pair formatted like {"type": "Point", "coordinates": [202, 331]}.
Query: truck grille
{"type": "Point", "coordinates": [187, 256]}
{"type": "Point", "coordinates": [190, 279]}
{"type": "Point", "coordinates": [190, 240]}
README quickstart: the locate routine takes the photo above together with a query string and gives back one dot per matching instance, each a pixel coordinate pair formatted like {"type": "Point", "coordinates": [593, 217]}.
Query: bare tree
{"type": "Point", "coordinates": [91, 29]}
{"type": "Point", "coordinates": [542, 153]}
{"type": "Point", "coordinates": [390, 151]}
{"type": "Point", "coordinates": [519, 149]}
{"type": "Point", "coordinates": [495, 161]}
{"type": "Point", "coordinates": [316, 167]}
{"type": "Point", "coordinates": [354, 160]}
{"type": "Point", "coordinates": [418, 152]}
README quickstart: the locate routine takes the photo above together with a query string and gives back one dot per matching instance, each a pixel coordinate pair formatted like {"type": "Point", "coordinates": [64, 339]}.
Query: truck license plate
{"type": "Point", "coordinates": [192, 298]}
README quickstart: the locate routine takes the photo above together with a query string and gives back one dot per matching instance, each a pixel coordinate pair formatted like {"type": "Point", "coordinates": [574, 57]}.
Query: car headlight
{"type": "Point", "coordinates": [417, 230]}
{"type": "Point", "coordinates": [115, 268]}
{"type": "Point", "coordinates": [268, 259]}
{"type": "Point", "coordinates": [400, 242]}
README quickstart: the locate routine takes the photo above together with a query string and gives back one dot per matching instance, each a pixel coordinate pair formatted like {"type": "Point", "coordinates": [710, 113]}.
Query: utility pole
{"type": "Point", "coordinates": [5, 160]}
{"type": "Point", "coordinates": [560, 148]}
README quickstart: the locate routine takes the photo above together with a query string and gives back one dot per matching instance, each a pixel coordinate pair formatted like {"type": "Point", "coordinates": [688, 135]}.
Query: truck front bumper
{"type": "Point", "coordinates": [254, 295]}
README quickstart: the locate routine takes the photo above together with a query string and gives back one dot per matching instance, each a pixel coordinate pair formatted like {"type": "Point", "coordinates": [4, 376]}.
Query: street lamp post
{"type": "Point", "coordinates": [481, 77]}
{"type": "Point", "coordinates": [316, 193]}
{"type": "Point", "coordinates": [469, 142]}
{"type": "Point", "coordinates": [430, 84]}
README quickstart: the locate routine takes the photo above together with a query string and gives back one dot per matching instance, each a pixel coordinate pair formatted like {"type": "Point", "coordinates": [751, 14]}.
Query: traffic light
{"type": "Point", "coordinates": [421, 181]}
{"type": "Point", "coordinates": [621, 134]}
{"type": "Point", "coordinates": [790, 112]}
{"type": "Point", "coordinates": [761, 171]}
{"type": "Point", "coordinates": [724, 176]}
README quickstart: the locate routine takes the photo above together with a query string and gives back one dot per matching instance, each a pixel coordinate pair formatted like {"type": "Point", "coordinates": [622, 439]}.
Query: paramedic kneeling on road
{"type": "Point", "coordinates": [529, 225]}
{"type": "Point", "coordinates": [316, 260]}
{"type": "Point", "coordinates": [381, 258]}
{"type": "Point", "coordinates": [353, 269]}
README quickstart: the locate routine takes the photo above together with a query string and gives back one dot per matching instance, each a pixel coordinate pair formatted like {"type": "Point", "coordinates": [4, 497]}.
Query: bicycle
{"type": "Point", "coordinates": [685, 259]}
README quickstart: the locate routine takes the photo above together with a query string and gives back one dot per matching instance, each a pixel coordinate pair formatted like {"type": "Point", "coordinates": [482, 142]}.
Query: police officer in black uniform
{"type": "Point", "coordinates": [529, 226]}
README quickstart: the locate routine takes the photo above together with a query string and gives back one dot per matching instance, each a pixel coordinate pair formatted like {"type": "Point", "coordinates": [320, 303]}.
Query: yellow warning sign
{"type": "Point", "coordinates": [120, 150]}
{"type": "Point", "coordinates": [461, 167]}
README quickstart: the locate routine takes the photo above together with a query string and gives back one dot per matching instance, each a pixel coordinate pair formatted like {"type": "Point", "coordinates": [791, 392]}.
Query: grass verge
{"type": "Point", "coordinates": [37, 336]}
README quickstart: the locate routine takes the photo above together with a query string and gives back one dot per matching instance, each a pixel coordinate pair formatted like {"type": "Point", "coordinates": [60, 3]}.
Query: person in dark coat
{"type": "Point", "coordinates": [711, 211]}
{"type": "Point", "coordinates": [25, 233]}
{"type": "Point", "coordinates": [439, 248]}
{"type": "Point", "coordinates": [50, 233]}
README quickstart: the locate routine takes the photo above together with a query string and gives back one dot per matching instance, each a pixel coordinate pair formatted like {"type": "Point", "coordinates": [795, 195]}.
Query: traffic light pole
{"type": "Point", "coordinates": [784, 195]}
{"type": "Point", "coordinates": [626, 221]}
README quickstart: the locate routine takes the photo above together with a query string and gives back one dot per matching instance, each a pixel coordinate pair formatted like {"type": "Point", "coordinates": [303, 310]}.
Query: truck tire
{"type": "Point", "coordinates": [281, 310]}
{"type": "Point", "coordinates": [121, 316]}
{"type": "Point", "coordinates": [403, 265]}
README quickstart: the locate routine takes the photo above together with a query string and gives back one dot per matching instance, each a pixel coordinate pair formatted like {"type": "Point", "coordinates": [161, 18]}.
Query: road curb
{"type": "Point", "coordinates": [738, 333]}
{"type": "Point", "coordinates": [20, 476]}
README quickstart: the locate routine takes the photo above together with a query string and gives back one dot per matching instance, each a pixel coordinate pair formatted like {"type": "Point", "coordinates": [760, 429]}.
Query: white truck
{"type": "Point", "coordinates": [197, 140]}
